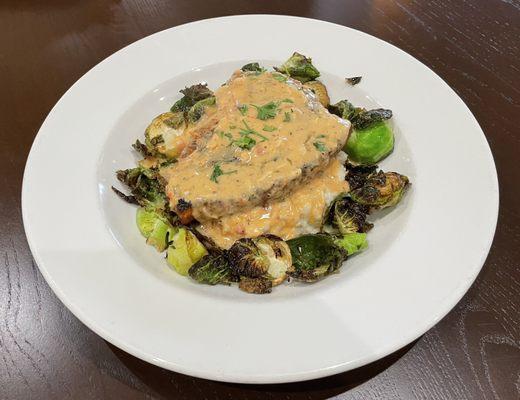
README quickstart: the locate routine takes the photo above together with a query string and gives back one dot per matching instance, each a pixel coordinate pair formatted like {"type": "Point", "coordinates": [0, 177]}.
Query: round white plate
{"type": "Point", "coordinates": [423, 255]}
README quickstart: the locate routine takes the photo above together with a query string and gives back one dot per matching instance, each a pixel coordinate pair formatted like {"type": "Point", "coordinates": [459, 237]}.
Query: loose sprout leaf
{"type": "Point", "coordinates": [358, 174]}
{"type": "Point", "coordinates": [192, 95]}
{"type": "Point", "coordinates": [365, 119]}
{"type": "Point", "coordinates": [344, 109]}
{"type": "Point", "coordinates": [266, 111]}
{"type": "Point", "coordinates": [300, 68]}
{"type": "Point", "coordinates": [353, 242]}
{"type": "Point", "coordinates": [144, 185]}
{"type": "Point", "coordinates": [127, 198]}
{"type": "Point", "coordinates": [255, 67]}
{"type": "Point", "coordinates": [142, 149]}
{"type": "Point", "coordinates": [354, 80]}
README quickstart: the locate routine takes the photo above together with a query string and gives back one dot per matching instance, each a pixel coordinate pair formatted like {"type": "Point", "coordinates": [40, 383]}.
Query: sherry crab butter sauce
{"type": "Point", "coordinates": [251, 169]}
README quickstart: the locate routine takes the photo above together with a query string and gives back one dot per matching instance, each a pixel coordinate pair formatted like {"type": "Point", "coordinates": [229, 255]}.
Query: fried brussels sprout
{"type": "Point", "coordinates": [192, 95]}
{"type": "Point", "coordinates": [212, 270]}
{"type": "Point", "coordinates": [184, 251]}
{"type": "Point", "coordinates": [358, 174]}
{"type": "Point", "coordinates": [381, 190]}
{"type": "Point", "coordinates": [252, 67]}
{"type": "Point", "coordinates": [347, 216]}
{"type": "Point", "coordinates": [145, 186]}
{"type": "Point", "coordinates": [370, 145]}
{"type": "Point", "coordinates": [154, 227]}
{"type": "Point", "coordinates": [359, 117]}
{"type": "Point", "coordinates": [259, 285]}
{"type": "Point", "coordinates": [265, 256]}
{"type": "Point", "coordinates": [315, 256]}
{"type": "Point", "coordinates": [163, 135]}
{"type": "Point", "coordinates": [353, 242]}
{"type": "Point", "coordinates": [320, 91]}
{"type": "Point", "coordinates": [198, 109]}
{"type": "Point", "coordinates": [300, 68]}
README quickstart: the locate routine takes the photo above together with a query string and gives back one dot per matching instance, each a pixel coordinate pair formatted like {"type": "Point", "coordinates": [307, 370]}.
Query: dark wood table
{"type": "Point", "coordinates": [45, 352]}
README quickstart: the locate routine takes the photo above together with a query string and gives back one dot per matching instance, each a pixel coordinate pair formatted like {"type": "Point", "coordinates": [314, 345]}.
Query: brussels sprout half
{"type": "Point", "coordinates": [381, 190]}
{"type": "Point", "coordinates": [184, 251]}
{"type": "Point", "coordinates": [300, 68]}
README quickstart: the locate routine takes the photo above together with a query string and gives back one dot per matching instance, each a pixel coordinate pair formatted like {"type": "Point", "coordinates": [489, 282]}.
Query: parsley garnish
{"type": "Point", "coordinates": [320, 146]}
{"type": "Point", "coordinates": [243, 109]}
{"type": "Point", "coordinates": [321, 136]}
{"type": "Point", "coordinates": [268, 128]}
{"type": "Point", "coordinates": [217, 171]}
{"type": "Point", "coordinates": [245, 142]}
{"type": "Point", "coordinates": [266, 111]}
{"type": "Point", "coordinates": [287, 117]}
{"type": "Point", "coordinates": [248, 131]}
{"type": "Point", "coordinates": [287, 101]}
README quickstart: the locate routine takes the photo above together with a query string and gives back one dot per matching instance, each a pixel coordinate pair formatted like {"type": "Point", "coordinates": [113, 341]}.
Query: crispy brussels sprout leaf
{"type": "Point", "coordinates": [347, 216]}
{"type": "Point", "coordinates": [266, 256]}
{"type": "Point", "coordinates": [353, 242]}
{"type": "Point", "coordinates": [184, 251]}
{"type": "Point", "coordinates": [314, 256]}
{"type": "Point", "coordinates": [259, 285]}
{"type": "Point", "coordinates": [212, 270]}
{"type": "Point", "coordinates": [192, 95]}
{"type": "Point", "coordinates": [144, 185]}
{"type": "Point", "coordinates": [357, 175]}
{"type": "Point", "coordinates": [359, 117]}
{"type": "Point", "coordinates": [381, 190]}
{"type": "Point", "coordinates": [300, 68]}
{"type": "Point", "coordinates": [252, 67]}
{"type": "Point", "coordinates": [198, 109]}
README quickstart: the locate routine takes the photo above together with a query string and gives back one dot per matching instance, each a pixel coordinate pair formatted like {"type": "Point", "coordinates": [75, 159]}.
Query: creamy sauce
{"type": "Point", "coordinates": [304, 137]}
{"type": "Point", "coordinates": [286, 175]}
{"type": "Point", "coordinates": [300, 212]}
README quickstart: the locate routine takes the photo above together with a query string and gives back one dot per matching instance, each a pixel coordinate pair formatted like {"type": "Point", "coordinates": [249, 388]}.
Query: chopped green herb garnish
{"type": "Point", "coordinates": [268, 128]}
{"type": "Point", "coordinates": [243, 109]}
{"type": "Point", "coordinates": [321, 136]}
{"type": "Point", "coordinates": [287, 117]}
{"type": "Point", "coordinates": [287, 101]}
{"type": "Point", "coordinates": [245, 142]}
{"type": "Point", "coordinates": [266, 111]}
{"type": "Point", "coordinates": [232, 126]}
{"type": "Point", "coordinates": [249, 131]}
{"type": "Point", "coordinates": [320, 146]}
{"type": "Point", "coordinates": [217, 171]}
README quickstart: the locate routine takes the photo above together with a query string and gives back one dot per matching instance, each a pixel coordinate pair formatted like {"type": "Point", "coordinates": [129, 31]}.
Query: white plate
{"type": "Point", "coordinates": [422, 258]}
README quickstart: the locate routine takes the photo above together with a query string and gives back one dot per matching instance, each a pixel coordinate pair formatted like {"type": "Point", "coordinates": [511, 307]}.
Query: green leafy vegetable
{"type": "Point", "coordinates": [381, 190]}
{"type": "Point", "coordinates": [198, 108]}
{"type": "Point", "coordinates": [253, 67]}
{"type": "Point", "coordinates": [347, 216]}
{"type": "Point", "coordinates": [145, 186]}
{"type": "Point", "coordinates": [266, 111]}
{"type": "Point", "coordinates": [370, 145]}
{"type": "Point", "coordinates": [320, 146]}
{"type": "Point", "coordinates": [353, 242]}
{"type": "Point", "coordinates": [184, 251]}
{"type": "Point", "coordinates": [300, 68]}
{"type": "Point", "coordinates": [154, 227]}
{"type": "Point", "coordinates": [192, 95]}
{"type": "Point", "coordinates": [217, 172]}
{"type": "Point", "coordinates": [212, 270]}
{"type": "Point", "coordinates": [315, 256]}
{"type": "Point", "coordinates": [243, 109]}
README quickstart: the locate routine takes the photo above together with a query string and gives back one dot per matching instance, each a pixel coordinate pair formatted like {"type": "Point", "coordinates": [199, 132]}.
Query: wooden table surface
{"type": "Point", "coordinates": [45, 352]}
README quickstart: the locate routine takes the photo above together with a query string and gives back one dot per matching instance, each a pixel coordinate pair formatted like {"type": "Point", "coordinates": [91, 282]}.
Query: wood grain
{"type": "Point", "coordinates": [46, 353]}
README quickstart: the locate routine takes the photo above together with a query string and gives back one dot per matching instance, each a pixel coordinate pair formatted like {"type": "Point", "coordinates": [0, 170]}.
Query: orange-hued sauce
{"type": "Point", "coordinates": [299, 213]}
{"type": "Point", "coordinates": [269, 187]}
